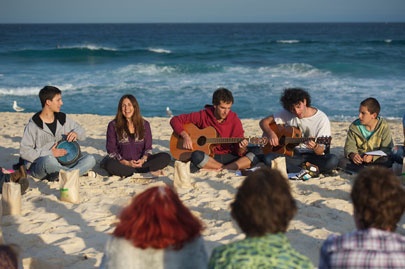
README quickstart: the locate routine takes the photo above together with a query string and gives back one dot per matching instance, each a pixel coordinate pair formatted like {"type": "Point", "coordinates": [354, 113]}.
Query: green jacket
{"type": "Point", "coordinates": [381, 139]}
{"type": "Point", "coordinates": [269, 251]}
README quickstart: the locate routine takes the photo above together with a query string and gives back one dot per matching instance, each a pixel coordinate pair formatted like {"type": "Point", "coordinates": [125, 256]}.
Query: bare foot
{"type": "Point", "coordinates": [158, 173]}
{"type": "Point", "coordinates": [212, 169]}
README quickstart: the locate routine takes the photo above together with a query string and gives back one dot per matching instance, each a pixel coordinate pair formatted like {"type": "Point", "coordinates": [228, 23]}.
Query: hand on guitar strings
{"type": "Point", "coordinates": [316, 147]}
{"type": "Point", "coordinates": [187, 142]}
{"type": "Point", "coordinates": [273, 139]}
{"type": "Point", "coordinates": [311, 144]}
{"type": "Point", "coordinates": [243, 146]}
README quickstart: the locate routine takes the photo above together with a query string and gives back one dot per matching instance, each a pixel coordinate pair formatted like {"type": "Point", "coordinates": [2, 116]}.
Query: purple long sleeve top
{"type": "Point", "coordinates": [128, 148]}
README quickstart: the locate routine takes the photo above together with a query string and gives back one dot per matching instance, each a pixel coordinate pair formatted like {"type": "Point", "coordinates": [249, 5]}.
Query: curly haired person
{"type": "Point", "coordinates": [379, 202]}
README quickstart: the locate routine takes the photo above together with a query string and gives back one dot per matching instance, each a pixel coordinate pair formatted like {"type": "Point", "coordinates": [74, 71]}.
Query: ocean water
{"type": "Point", "coordinates": [180, 65]}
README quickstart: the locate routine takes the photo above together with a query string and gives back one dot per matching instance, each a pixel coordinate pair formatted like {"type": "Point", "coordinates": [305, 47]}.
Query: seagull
{"type": "Point", "coordinates": [169, 112]}
{"type": "Point", "coordinates": [16, 107]}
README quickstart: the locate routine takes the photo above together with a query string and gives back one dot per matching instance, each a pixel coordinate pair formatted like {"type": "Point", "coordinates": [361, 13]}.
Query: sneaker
{"type": "Point", "coordinates": [20, 177]}
{"type": "Point", "coordinates": [52, 177]}
{"type": "Point", "coordinates": [92, 174]}
{"type": "Point", "coordinates": [304, 175]}
{"type": "Point", "coordinates": [312, 169]}
{"type": "Point", "coordinates": [332, 173]}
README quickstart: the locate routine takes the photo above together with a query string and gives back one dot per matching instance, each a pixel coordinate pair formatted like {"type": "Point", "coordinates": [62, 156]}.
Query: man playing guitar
{"type": "Point", "coordinates": [310, 122]}
{"type": "Point", "coordinates": [232, 156]}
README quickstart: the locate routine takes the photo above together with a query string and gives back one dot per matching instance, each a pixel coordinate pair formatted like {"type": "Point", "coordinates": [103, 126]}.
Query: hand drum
{"type": "Point", "coordinates": [73, 152]}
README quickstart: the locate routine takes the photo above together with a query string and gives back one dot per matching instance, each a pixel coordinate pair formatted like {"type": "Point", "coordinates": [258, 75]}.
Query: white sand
{"type": "Point", "coordinates": [73, 236]}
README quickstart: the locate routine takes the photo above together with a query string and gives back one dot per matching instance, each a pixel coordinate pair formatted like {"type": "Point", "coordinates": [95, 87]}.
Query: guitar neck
{"type": "Point", "coordinates": [226, 140]}
{"type": "Point", "coordinates": [295, 140]}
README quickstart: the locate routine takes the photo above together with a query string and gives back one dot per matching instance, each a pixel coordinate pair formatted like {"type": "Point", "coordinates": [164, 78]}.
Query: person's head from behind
{"type": "Point", "coordinates": [369, 110]}
{"type": "Point", "coordinates": [9, 256]}
{"type": "Point", "coordinates": [378, 199]}
{"type": "Point", "coordinates": [222, 99]}
{"type": "Point", "coordinates": [129, 111]}
{"type": "Point", "coordinates": [52, 97]}
{"type": "Point", "coordinates": [263, 203]}
{"type": "Point", "coordinates": [296, 100]}
{"type": "Point", "coordinates": [157, 218]}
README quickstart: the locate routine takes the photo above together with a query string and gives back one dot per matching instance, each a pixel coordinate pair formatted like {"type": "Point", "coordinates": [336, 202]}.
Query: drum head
{"type": "Point", "coordinates": [73, 152]}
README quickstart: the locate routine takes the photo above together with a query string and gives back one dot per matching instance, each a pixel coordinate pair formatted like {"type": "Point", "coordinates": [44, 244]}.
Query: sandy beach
{"type": "Point", "coordinates": [66, 235]}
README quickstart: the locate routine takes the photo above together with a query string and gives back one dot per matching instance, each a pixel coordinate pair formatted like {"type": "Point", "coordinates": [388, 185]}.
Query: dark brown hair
{"type": "Point", "coordinates": [121, 126]}
{"type": "Point", "coordinates": [223, 95]}
{"type": "Point", "coordinates": [378, 199]}
{"type": "Point", "coordinates": [263, 203]}
{"type": "Point", "coordinates": [373, 106]}
{"type": "Point", "coordinates": [48, 93]}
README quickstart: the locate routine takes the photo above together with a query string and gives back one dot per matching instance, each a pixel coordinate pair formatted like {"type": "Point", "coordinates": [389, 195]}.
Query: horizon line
{"type": "Point", "coordinates": [297, 22]}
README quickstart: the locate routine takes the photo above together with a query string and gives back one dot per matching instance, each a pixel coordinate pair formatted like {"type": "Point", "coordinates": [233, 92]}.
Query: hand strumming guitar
{"type": "Point", "coordinates": [268, 132]}
{"type": "Point", "coordinates": [187, 142]}
{"type": "Point", "coordinates": [272, 138]}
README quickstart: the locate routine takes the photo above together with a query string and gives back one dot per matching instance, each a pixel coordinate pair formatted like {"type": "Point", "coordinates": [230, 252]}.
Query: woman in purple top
{"type": "Point", "coordinates": [129, 142]}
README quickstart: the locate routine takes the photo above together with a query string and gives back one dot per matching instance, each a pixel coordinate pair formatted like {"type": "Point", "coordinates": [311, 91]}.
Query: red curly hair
{"type": "Point", "coordinates": [158, 219]}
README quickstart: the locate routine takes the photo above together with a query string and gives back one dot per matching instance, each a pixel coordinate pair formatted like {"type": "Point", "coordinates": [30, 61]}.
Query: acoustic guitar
{"type": "Point", "coordinates": [204, 139]}
{"type": "Point", "coordinates": [288, 138]}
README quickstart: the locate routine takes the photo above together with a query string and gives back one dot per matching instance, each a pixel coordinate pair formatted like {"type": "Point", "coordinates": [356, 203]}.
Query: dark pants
{"type": "Point", "coordinates": [155, 162]}
{"type": "Point", "coordinates": [349, 166]}
{"type": "Point", "coordinates": [326, 163]}
{"type": "Point", "coordinates": [199, 157]}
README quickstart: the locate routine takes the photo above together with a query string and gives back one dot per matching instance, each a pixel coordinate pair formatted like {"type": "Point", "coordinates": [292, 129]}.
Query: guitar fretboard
{"type": "Point", "coordinates": [228, 140]}
{"type": "Point", "coordinates": [292, 140]}
{"type": "Point", "coordinates": [297, 140]}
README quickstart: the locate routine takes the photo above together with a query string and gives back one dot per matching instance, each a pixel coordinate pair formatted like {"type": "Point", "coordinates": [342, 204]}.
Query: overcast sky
{"type": "Point", "coordinates": [138, 11]}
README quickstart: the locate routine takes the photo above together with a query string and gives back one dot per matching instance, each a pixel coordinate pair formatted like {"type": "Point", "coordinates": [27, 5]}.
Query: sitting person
{"type": "Point", "coordinates": [232, 156]}
{"type": "Point", "coordinates": [129, 142]}
{"type": "Point", "coordinates": [398, 151]}
{"type": "Point", "coordinates": [44, 130]}
{"type": "Point", "coordinates": [263, 208]}
{"type": "Point", "coordinates": [378, 204]}
{"type": "Point", "coordinates": [367, 133]}
{"type": "Point", "coordinates": [156, 231]}
{"type": "Point", "coordinates": [314, 126]}
{"type": "Point", "coordinates": [19, 176]}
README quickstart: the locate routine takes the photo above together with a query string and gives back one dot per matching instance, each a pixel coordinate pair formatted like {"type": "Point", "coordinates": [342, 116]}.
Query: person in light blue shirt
{"type": "Point", "coordinates": [370, 132]}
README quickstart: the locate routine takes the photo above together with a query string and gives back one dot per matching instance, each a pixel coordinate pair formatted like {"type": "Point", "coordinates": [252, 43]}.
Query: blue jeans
{"type": "Point", "coordinates": [397, 154]}
{"type": "Point", "coordinates": [46, 165]}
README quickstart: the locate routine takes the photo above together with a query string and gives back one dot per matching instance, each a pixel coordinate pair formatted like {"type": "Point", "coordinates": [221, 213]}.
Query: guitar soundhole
{"type": "Point", "coordinates": [201, 140]}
